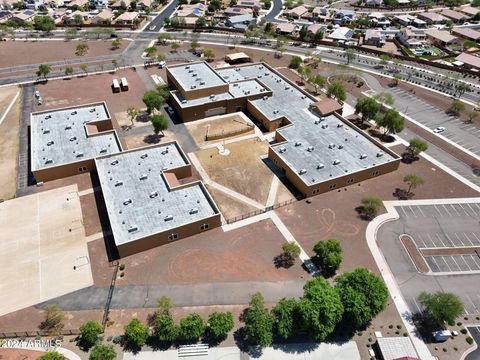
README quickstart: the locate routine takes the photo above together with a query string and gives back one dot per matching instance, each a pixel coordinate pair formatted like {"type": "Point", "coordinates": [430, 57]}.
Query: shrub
{"type": "Point", "coordinates": [469, 340]}
{"type": "Point", "coordinates": [90, 332]}
{"type": "Point", "coordinates": [464, 331]}
{"type": "Point", "coordinates": [121, 267]}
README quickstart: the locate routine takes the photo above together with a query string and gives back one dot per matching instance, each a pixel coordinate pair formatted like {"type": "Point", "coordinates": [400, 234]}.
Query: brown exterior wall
{"type": "Point", "coordinates": [183, 232]}
{"type": "Point", "coordinates": [190, 94]}
{"type": "Point", "coordinates": [62, 171]}
{"type": "Point", "coordinates": [269, 125]}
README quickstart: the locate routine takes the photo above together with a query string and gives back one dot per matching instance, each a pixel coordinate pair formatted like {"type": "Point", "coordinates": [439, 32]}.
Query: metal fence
{"type": "Point", "coordinates": [262, 211]}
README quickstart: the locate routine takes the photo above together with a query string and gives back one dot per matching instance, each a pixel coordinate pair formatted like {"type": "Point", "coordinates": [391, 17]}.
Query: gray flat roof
{"type": "Point", "coordinates": [309, 138]}
{"type": "Point", "coordinates": [59, 136]}
{"type": "Point", "coordinates": [138, 199]}
{"type": "Point", "coordinates": [396, 347]}
{"type": "Point", "coordinates": [199, 74]}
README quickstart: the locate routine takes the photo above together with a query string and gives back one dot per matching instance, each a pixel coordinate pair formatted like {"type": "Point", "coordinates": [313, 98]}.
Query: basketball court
{"type": "Point", "coordinates": [43, 249]}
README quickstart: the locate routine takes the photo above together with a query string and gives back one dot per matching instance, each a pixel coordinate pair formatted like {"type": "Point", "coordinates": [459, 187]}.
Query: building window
{"type": "Point", "coordinates": [332, 186]}
{"type": "Point", "coordinates": [81, 169]}
{"type": "Point", "coordinates": [172, 237]}
{"type": "Point", "coordinates": [204, 227]}
{"type": "Point", "coordinates": [315, 191]}
{"type": "Point", "coordinates": [375, 173]}
{"type": "Point", "coordinates": [350, 181]}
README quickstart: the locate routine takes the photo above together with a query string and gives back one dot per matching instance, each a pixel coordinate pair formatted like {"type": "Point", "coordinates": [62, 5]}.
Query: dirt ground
{"type": "Point", "coordinates": [229, 206]}
{"type": "Point", "coordinates": [242, 171]}
{"type": "Point", "coordinates": [230, 123]}
{"type": "Point", "coordinates": [9, 139]}
{"type": "Point", "coordinates": [213, 256]}
{"type": "Point", "coordinates": [20, 52]}
{"type": "Point", "coordinates": [19, 354]}
{"type": "Point", "coordinates": [145, 139]}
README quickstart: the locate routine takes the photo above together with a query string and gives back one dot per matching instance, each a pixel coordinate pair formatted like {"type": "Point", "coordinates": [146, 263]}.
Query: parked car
{"type": "Point", "coordinates": [439, 130]}
{"type": "Point", "coordinates": [170, 110]}
{"type": "Point", "coordinates": [153, 27]}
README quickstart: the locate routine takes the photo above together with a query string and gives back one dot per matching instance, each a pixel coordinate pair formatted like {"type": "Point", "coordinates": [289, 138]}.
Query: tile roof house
{"type": "Point", "coordinates": [466, 33]}
{"type": "Point", "coordinates": [441, 37]}
{"type": "Point", "coordinates": [469, 61]}
{"type": "Point", "coordinates": [469, 10]}
{"type": "Point", "coordinates": [297, 12]}
{"type": "Point", "coordinates": [127, 18]}
{"type": "Point", "coordinates": [232, 11]}
{"type": "Point", "coordinates": [454, 15]}
{"type": "Point", "coordinates": [285, 28]}
{"type": "Point", "coordinates": [103, 17]}
{"type": "Point", "coordinates": [374, 38]}
{"type": "Point", "coordinates": [412, 38]}
{"type": "Point", "coordinates": [341, 34]}
{"type": "Point", "coordinates": [433, 18]}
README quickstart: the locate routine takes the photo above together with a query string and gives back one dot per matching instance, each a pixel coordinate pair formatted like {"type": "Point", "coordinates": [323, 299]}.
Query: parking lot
{"type": "Point", "coordinates": [447, 233]}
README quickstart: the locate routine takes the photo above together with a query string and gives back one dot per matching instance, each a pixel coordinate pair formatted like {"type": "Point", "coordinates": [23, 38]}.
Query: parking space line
{"type": "Point", "coordinates": [431, 240]}
{"type": "Point", "coordinates": [465, 261]}
{"type": "Point", "coordinates": [421, 211]}
{"type": "Point", "coordinates": [439, 212]}
{"type": "Point", "coordinates": [445, 262]}
{"type": "Point", "coordinates": [448, 212]}
{"type": "Point", "coordinates": [455, 209]}
{"type": "Point", "coordinates": [461, 242]}
{"type": "Point", "coordinates": [439, 238]}
{"type": "Point", "coordinates": [456, 264]}
{"type": "Point", "coordinates": [474, 258]}
{"type": "Point", "coordinates": [416, 304]}
{"type": "Point", "coordinates": [470, 299]}
{"type": "Point", "coordinates": [476, 237]}
{"type": "Point", "coordinates": [466, 213]}
{"type": "Point", "coordinates": [470, 206]}
{"type": "Point", "coordinates": [413, 212]}
{"type": "Point", "coordinates": [419, 237]}
{"type": "Point", "coordinates": [404, 213]}
{"type": "Point", "coordinates": [465, 234]}
{"type": "Point", "coordinates": [435, 262]}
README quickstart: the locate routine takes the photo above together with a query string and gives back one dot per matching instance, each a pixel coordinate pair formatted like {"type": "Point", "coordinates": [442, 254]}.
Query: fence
{"type": "Point", "coordinates": [262, 211]}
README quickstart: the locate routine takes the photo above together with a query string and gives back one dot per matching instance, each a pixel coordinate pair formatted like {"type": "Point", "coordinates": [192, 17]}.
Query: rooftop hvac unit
{"type": "Point", "coordinates": [226, 76]}
{"type": "Point", "coordinates": [235, 85]}
{"type": "Point", "coordinates": [103, 150]}
{"type": "Point", "coordinates": [331, 146]}
{"type": "Point", "coordinates": [265, 98]}
{"type": "Point", "coordinates": [143, 156]}
{"type": "Point", "coordinates": [193, 87]}
{"type": "Point", "coordinates": [119, 183]}
{"type": "Point", "coordinates": [49, 161]}
{"type": "Point", "coordinates": [266, 74]}
{"type": "Point", "coordinates": [202, 82]}
{"type": "Point", "coordinates": [317, 122]}
{"type": "Point", "coordinates": [46, 131]}
{"type": "Point", "coordinates": [193, 211]}
{"type": "Point", "coordinates": [93, 110]}
{"type": "Point", "coordinates": [276, 111]}
{"type": "Point", "coordinates": [184, 101]}
{"type": "Point", "coordinates": [48, 117]}
{"type": "Point", "coordinates": [68, 127]}
{"type": "Point", "coordinates": [304, 96]}
{"type": "Point", "coordinates": [324, 126]}
{"type": "Point", "coordinates": [132, 228]}
{"type": "Point", "coordinates": [259, 76]}
{"type": "Point", "coordinates": [153, 194]}
{"type": "Point", "coordinates": [168, 218]}
{"type": "Point", "coordinates": [339, 125]}
{"type": "Point", "coordinates": [126, 202]}
{"type": "Point", "coordinates": [260, 67]}
{"type": "Point", "coordinates": [380, 154]}
{"type": "Point", "coordinates": [322, 118]}
{"type": "Point", "coordinates": [50, 143]}
{"type": "Point", "coordinates": [363, 156]}
{"type": "Point", "coordinates": [340, 146]}
{"type": "Point", "coordinates": [114, 162]}
{"type": "Point", "coordinates": [80, 154]}
{"type": "Point", "coordinates": [279, 80]}
{"type": "Point", "coordinates": [74, 113]}
{"type": "Point", "coordinates": [320, 166]}
{"type": "Point", "coordinates": [237, 69]}
{"type": "Point", "coordinates": [282, 150]}
{"type": "Point", "coordinates": [187, 66]}
{"type": "Point", "coordinates": [302, 171]}
{"type": "Point", "coordinates": [287, 87]}
{"type": "Point", "coordinates": [73, 138]}
{"type": "Point", "coordinates": [190, 71]}
{"type": "Point", "coordinates": [212, 96]}
{"type": "Point", "coordinates": [143, 177]}
{"type": "Point", "coordinates": [336, 162]}
{"type": "Point", "coordinates": [310, 149]}
{"type": "Point", "coordinates": [298, 143]}
{"type": "Point", "coordinates": [194, 75]}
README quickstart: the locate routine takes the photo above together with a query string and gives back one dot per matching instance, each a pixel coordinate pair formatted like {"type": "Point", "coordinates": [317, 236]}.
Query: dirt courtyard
{"type": "Point", "coordinates": [9, 139]}
{"type": "Point", "coordinates": [45, 254]}
{"type": "Point", "coordinates": [242, 171]}
{"type": "Point", "coordinates": [20, 52]}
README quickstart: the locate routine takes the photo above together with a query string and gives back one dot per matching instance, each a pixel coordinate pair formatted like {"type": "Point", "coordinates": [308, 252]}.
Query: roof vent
{"type": "Point", "coordinates": [132, 228]}
{"type": "Point", "coordinates": [310, 149]}
{"type": "Point", "coordinates": [153, 194]}
{"type": "Point", "coordinates": [237, 69]}
{"type": "Point", "coordinates": [202, 82]}
{"type": "Point", "coordinates": [93, 110]}
{"type": "Point", "coordinates": [276, 111]}
{"type": "Point", "coordinates": [331, 146]}
{"type": "Point", "coordinates": [193, 87]}
{"type": "Point", "coordinates": [49, 161]}
{"type": "Point", "coordinates": [119, 183]}
{"type": "Point", "coordinates": [302, 171]}
{"type": "Point", "coordinates": [339, 125]}
{"type": "Point", "coordinates": [73, 138]}
{"type": "Point", "coordinates": [282, 150]}
{"type": "Point", "coordinates": [380, 154]}
{"type": "Point", "coordinates": [324, 126]}
{"type": "Point", "coordinates": [126, 202]}
{"type": "Point", "coordinates": [340, 146]}
{"type": "Point", "coordinates": [193, 211]}
{"type": "Point", "coordinates": [304, 96]}
{"type": "Point", "coordinates": [265, 98]}
{"type": "Point", "coordinates": [50, 143]}
{"type": "Point", "coordinates": [235, 85]}
{"type": "Point", "coordinates": [68, 127]}
{"type": "Point", "coordinates": [143, 156]}
{"type": "Point", "coordinates": [336, 162]}
{"type": "Point", "coordinates": [114, 162]}
{"type": "Point", "coordinates": [103, 150]}
{"type": "Point", "coordinates": [143, 177]}
{"type": "Point", "coordinates": [317, 122]}
{"type": "Point", "coordinates": [168, 218]}
{"type": "Point", "coordinates": [48, 117]}
{"type": "Point", "coordinates": [79, 154]}
{"type": "Point", "coordinates": [320, 166]}
{"type": "Point", "coordinates": [46, 131]}
{"type": "Point", "coordinates": [298, 143]}
{"type": "Point", "coordinates": [184, 101]}
{"type": "Point", "coordinates": [363, 156]}
{"type": "Point", "coordinates": [74, 113]}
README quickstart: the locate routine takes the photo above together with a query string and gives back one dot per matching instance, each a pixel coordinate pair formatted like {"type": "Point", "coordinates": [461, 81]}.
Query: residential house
{"type": "Point", "coordinates": [78, 4]}
{"type": "Point", "coordinates": [468, 61]}
{"type": "Point", "coordinates": [466, 33]}
{"type": "Point", "coordinates": [128, 18]}
{"type": "Point", "coordinates": [4, 16]}
{"type": "Point", "coordinates": [441, 37]}
{"type": "Point", "coordinates": [285, 28]}
{"type": "Point", "coordinates": [433, 18]}
{"type": "Point", "coordinates": [374, 38]}
{"type": "Point", "coordinates": [320, 13]}
{"type": "Point", "coordinates": [104, 17]}
{"type": "Point", "coordinates": [344, 17]}
{"type": "Point", "coordinates": [117, 5]}
{"type": "Point", "coordinates": [378, 19]}
{"type": "Point", "coordinates": [34, 4]}
{"type": "Point", "coordinates": [99, 4]}
{"type": "Point", "coordinates": [411, 37]}
{"type": "Point", "coordinates": [469, 10]}
{"type": "Point", "coordinates": [454, 15]}
{"type": "Point", "coordinates": [341, 34]}
{"type": "Point", "coordinates": [297, 12]}
{"type": "Point", "coordinates": [240, 21]}
{"type": "Point", "coordinates": [70, 18]}
{"type": "Point", "coordinates": [144, 4]}
{"type": "Point", "coordinates": [373, 2]}
{"type": "Point", "coordinates": [404, 19]}
{"type": "Point", "coordinates": [196, 10]}
{"type": "Point", "coordinates": [314, 28]}
{"type": "Point", "coordinates": [249, 4]}
{"type": "Point", "coordinates": [7, 4]}
{"type": "Point", "coordinates": [233, 11]}
{"type": "Point", "coordinates": [23, 17]}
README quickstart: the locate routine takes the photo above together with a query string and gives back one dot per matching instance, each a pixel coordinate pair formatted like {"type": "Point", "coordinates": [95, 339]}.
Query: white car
{"type": "Point", "coordinates": [151, 28]}
{"type": "Point", "coordinates": [439, 130]}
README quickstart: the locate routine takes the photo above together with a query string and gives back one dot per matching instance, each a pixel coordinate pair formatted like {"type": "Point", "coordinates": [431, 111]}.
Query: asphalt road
{"type": "Point", "coordinates": [276, 10]}
{"type": "Point", "coordinates": [158, 20]}
{"type": "Point", "coordinates": [475, 332]}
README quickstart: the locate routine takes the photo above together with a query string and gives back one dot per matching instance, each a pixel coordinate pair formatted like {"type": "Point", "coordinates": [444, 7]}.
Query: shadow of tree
{"type": "Point", "coordinates": [152, 139]}
{"type": "Point", "coordinates": [283, 261]}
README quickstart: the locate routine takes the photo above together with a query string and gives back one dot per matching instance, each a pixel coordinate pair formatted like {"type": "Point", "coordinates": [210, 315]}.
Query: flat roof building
{"type": "Point", "coordinates": [146, 204]}
{"type": "Point", "coordinates": [65, 141]}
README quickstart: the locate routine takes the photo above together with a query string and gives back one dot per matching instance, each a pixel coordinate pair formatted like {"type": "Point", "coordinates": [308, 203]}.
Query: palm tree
{"type": "Point", "coordinates": [132, 113]}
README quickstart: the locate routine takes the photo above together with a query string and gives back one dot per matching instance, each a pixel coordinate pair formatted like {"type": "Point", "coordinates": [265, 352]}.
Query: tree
{"type": "Point", "coordinates": [89, 332]}
{"type": "Point", "coordinates": [44, 70]}
{"type": "Point", "coordinates": [209, 54]}
{"type": "Point", "coordinates": [132, 113]}
{"type": "Point", "coordinates": [329, 255]}
{"type": "Point", "coordinates": [53, 322]}
{"type": "Point", "coordinates": [151, 51]}
{"type": "Point", "coordinates": [441, 308]}
{"type": "Point", "coordinates": [391, 122]}
{"type": "Point", "coordinates": [192, 327]}
{"type": "Point", "coordinates": [416, 146]}
{"type": "Point", "coordinates": [295, 62]}
{"type": "Point", "coordinates": [318, 36]}
{"type": "Point", "coordinates": [78, 19]}
{"type": "Point", "coordinates": [160, 123]}
{"type": "Point", "coordinates": [467, 44]}
{"type": "Point", "coordinates": [371, 206]}
{"type": "Point", "coordinates": [44, 23]}
{"type": "Point", "coordinates": [471, 116]}
{"type": "Point", "coordinates": [84, 68]}
{"type": "Point", "coordinates": [320, 309]}
{"type": "Point", "coordinates": [318, 81]}
{"type": "Point", "coordinates": [175, 46]}
{"type": "Point", "coordinates": [385, 98]}
{"type": "Point", "coordinates": [363, 294]}
{"type": "Point", "coordinates": [68, 70]}
{"type": "Point", "coordinates": [286, 316]}
{"type": "Point", "coordinates": [290, 251]}
{"type": "Point", "coordinates": [116, 43]}
{"type": "Point", "coordinates": [81, 49]}
{"type": "Point", "coordinates": [302, 34]}
{"type": "Point", "coordinates": [71, 32]}
{"type": "Point", "coordinates": [103, 352]}
{"type": "Point", "coordinates": [136, 334]}
{"type": "Point", "coordinates": [457, 106]}
{"type": "Point", "coordinates": [351, 55]}
{"type": "Point", "coordinates": [115, 64]}
{"type": "Point", "coordinates": [305, 72]}
{"type": "Point", "coordinates": [396, 79]}
{"type": "Point", "coordinates": [413, 181]}
{"type": "Point", "coordinates": [163, 37]}
{"type": "Point", "coordinates": [165, 328]}
{"type": "Point", "coordinates": [368, 107]}
{"type": "Point", "coordinates": [161, 57]}
{"type": "Point", "coordinates": [258, 322]}
{"type": "Point", "coordinates": [153, 101]}
{"type": "Point", "coordinates": [165, 304]}
{"type": "Point", "coordinates": [201, 22]}
{"type": "Point", "coordinates": [337, 91]}
{"type": "Point", "coordinates": [51, 355]}
{"type": "Point", "coordinates": [220, 324]}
